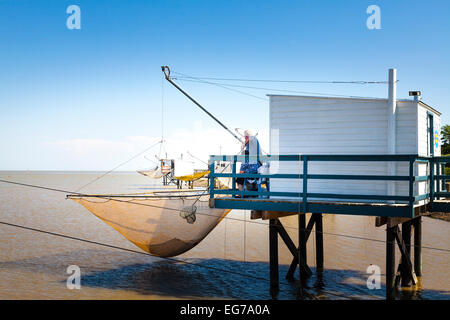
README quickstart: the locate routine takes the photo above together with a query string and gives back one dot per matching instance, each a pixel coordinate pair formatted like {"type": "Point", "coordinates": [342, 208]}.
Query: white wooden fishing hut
{"type": "Point", "coordinates": [353, 125]}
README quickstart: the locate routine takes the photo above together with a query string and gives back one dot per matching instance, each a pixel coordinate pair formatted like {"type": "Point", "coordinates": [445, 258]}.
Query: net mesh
{"type": "Point", "coordinates": [152, 174]}
{"type": "Point", "coordinates": [163, 224]}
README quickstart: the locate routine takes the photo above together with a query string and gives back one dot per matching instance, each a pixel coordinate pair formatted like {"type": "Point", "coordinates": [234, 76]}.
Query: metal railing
{"type": "Point", "coordinates": [433, 177]}
{"type": "Point", "coordinates": [438, 178]}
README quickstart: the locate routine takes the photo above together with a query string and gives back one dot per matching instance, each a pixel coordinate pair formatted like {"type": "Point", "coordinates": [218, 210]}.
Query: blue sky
{"type": "Point", "coordinates": [102, 86]}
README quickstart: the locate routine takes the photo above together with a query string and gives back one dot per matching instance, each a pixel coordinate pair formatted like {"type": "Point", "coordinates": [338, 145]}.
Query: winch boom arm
{"type": "Point", "coordinates": [167, 76]}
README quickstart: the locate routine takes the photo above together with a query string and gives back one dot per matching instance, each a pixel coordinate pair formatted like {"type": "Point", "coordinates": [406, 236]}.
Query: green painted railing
{"type": "Point", "coordinates": [438, 177]}
{"type": "Point", "coordinates": [434, 176]}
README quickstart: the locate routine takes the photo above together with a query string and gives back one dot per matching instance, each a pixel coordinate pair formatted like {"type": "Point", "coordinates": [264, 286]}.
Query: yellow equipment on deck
{"type": "Point", "coordinates": [193, 177]}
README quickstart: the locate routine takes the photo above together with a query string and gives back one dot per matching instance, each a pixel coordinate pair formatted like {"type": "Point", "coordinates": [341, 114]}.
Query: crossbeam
{"type": "Point", "coordinates": [298, 253]}
{"type": "Point", "coordinates": [406, 265]}
{"type": "Point", "coordinates": [406, 270]}
{"type": "Point", "coordinates": [291, 246]}
{"type": "Point", "coordinates": [294, 263]}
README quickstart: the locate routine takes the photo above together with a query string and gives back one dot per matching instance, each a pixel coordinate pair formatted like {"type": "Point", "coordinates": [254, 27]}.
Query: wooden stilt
{"type": "Point", "coordinates": [406, 236]}
{"type": "Point", "coordinates": [407, 267]}
{"type": "Point", "coordinates": [319, 242]}
{"type": "Point", "coordinates": [302, 240]}
{"type": "Point", "coordinates": [306, 270]}
{"type": "Point", "coordinates": [301, 252]}
{"type": "Point", "coordinates": [309, 228]}
{"type": "Point", "coordinates": [273, 248]}
{"type": "Point", "coordinates": [291, 246]}
{"type": "Point", "coordinates": [418, 246]}
{"type": "Point", "coordinates": [390, 262]}
{"type": "Point", "coordinates": [292, 267]}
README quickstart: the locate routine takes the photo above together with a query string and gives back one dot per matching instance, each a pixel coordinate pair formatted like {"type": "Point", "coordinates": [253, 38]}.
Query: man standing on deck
{"type": "Point", "coordinates": [251, 147]}
{"type": "Point", "coordinates": [251, 144]}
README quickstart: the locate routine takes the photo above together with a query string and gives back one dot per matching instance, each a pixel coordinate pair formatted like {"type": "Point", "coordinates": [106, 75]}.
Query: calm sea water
{"type": "Point", "coordinates": [33, 265]}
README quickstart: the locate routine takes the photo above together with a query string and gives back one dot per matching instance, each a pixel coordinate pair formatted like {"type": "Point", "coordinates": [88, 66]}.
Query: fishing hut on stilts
{"type": "Point", "coordinates": [342, 155]}
{"type": "Point", "coordinates": [348, 156]}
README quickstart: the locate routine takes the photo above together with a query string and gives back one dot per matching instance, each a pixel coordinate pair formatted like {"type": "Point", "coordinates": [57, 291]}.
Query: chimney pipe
{"type": "Point", "coordinates": [392, 106]}
{"type": "Point", "coordinates": [416, 95]}
{"type": "Point", "coordinates": [391, 134]}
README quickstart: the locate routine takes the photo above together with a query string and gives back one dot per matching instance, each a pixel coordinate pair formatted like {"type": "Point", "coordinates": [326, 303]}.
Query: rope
{"type": "Point", "coordinates": [185, 77]}
{"type": "Point", "coordinates": [284, 81]}
{"type": "Point", "coordinates": [162, 118]}
{"type": "Point", "coordinates": [225, 241]}
{"type": "Point", "coordinates": [111, 198]}
{"type": "Point", "coordinates": [152, 161]}
{"type": "Point", "coordinates": [196, 158]}
{"type": "Point", "coordinates": [115, 168]}
{"type": "Point", "coordinates": [206, 190]}
{"type": "Point", "coordinates": [163, 258]}
{"type": "Point", "coordinates": [162, 109]}
{"type": "Point", "coordinates": [225, 85]}
{"type": "Point", "coordinates": [230, 89]}
{"type": "Point", "coordinates": [245, 233]}
{"type": "Point", "coordinates": [125, 249]}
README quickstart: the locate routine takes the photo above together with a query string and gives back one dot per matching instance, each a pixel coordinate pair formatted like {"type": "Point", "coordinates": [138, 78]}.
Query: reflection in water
{"type": "Point", "coordinates": [201, 278]}
{"type": "Point", "coordinates": [33, 265]}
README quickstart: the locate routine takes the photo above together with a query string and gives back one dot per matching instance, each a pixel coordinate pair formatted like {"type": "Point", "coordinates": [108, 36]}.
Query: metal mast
{"type": "Point", "coordinates": [166, 71]}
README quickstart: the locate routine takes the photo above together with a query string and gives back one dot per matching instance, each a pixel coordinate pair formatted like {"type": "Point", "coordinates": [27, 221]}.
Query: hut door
{"type": "Point", "coordinates": [430, 137]}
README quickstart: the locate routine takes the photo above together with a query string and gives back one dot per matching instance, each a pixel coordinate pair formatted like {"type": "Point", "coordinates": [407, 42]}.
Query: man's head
{"type": "Point", "coordinates": [247, 135]}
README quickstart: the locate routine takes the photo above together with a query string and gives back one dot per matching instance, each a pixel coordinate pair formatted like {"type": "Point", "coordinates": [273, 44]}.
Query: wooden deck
{"type": "Point", "coordinates": [279, 207]}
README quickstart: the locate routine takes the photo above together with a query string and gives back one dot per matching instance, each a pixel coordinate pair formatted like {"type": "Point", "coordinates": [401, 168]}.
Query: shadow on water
{"type": "Point", "coordinates": [153, 276]}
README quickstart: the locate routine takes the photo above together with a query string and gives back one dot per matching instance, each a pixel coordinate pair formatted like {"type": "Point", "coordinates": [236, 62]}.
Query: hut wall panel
{"type": "Point", "coordinates": [316, 125]}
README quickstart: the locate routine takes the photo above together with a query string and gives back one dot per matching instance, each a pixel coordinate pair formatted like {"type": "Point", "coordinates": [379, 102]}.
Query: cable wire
{"type": "Point", "coordinates": [230, 89]}
{"type": "Point", "coordinates": [163, 258]}
{"type": "Point", "coordinates": [224, 86]}
{"type": "Point", "coordinates": [116, 167]}
{"type": "Point", "coordinates": [112, 198]}
{"type": "Point", "coordinates": [185, 77]}
{"type": "Point", "coordinates": [279, 90]}
{"type": "Point", "coordinates": [282, 81]}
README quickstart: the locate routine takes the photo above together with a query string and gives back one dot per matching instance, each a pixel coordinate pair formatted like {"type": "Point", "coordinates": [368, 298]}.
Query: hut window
{"type": "Point", "coordinates": [430, 140]}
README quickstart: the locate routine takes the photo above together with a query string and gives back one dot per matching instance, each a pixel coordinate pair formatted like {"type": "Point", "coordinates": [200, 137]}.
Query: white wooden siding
{"type": "Point", "coordinates": [323, 125]}
{"type": "Point", "coordinates": [423, 142]}
{"type": "Point", "coordinates": [422, 131]}
{"type": "Point", "coordinates": [406, 142]}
